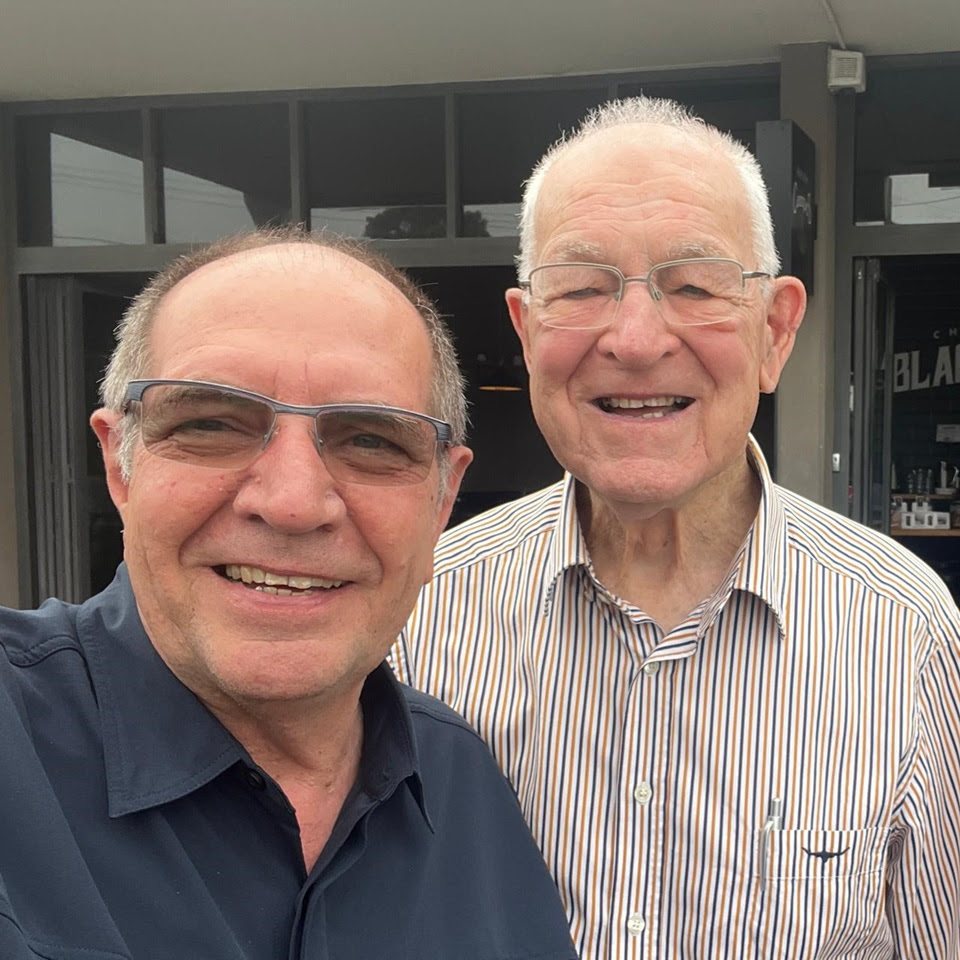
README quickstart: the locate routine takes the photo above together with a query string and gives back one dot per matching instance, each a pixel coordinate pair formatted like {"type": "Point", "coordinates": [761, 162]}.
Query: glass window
{"type": "Point", "coordinates": [733, 106]}
{"type": "Point", "coordinates": [907, 166]}
{"type": "Point", "coordinates": [225, 169]}
{"type": "Point", "coordinates": [80, 179]}
{"type": "Point", "coordinates": [502, 136]}
{"type": "Point", "coordinates": [375, 168]}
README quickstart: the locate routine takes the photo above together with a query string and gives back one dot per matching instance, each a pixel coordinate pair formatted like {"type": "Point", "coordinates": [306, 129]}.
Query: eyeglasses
{"type": "Point", "coordinates": [688, 293]}
{"type": "Point", "coordinates": [212, 425]}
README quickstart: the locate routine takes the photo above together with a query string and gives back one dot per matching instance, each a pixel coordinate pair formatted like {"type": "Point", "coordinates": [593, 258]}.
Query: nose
{"type": "Point", "coordinates": [639, 335]}
{"type": "Point", "coordinates": [288, 486]}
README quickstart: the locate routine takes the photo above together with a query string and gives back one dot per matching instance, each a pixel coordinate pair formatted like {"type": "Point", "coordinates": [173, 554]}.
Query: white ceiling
{"type": "Point", "coordinates": [92, 48]}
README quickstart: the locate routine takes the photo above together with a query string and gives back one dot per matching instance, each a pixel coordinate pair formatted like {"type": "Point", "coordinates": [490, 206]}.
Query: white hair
{"type": "Point", "coordinates": [637, 110]}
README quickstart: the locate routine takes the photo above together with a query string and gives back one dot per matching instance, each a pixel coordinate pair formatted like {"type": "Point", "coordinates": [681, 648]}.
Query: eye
{"type": "Point", "coordinates": [584, 293]}
{"type": "Point", "coordinates": [371, 441]}
{"type": "Point", "coordinates": [690, 291]}
{"type": "Point", "coordinates": [207, 425]}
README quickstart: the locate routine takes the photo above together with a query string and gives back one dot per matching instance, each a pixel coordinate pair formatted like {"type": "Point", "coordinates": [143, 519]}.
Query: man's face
{"type": "Point", "coordinates": [633, 197]}
{"type": "Point", "coordinates": [304, 326]}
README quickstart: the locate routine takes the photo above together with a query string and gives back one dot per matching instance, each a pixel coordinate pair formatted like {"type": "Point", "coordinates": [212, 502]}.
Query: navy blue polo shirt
{"type": "Point", "coordinates": [133, 826]}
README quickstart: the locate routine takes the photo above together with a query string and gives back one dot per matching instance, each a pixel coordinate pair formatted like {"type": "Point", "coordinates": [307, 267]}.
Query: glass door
{"type": "Point", "coordinates": [871, 396]}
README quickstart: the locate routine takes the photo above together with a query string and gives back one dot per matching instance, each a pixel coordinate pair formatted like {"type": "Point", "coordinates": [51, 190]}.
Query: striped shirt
{"type": "Point", "coordinates": [777, 777]}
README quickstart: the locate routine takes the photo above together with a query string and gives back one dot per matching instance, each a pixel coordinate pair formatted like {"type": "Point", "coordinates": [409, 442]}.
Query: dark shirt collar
{"type": "Point", "coordinates": [161, 743]}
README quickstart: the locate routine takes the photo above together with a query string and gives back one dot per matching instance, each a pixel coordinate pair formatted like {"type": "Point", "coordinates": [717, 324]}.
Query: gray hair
{"type": "Point", "coordinates": [131, 358]}
{"type": "Point", "coordinates": [635, 110]}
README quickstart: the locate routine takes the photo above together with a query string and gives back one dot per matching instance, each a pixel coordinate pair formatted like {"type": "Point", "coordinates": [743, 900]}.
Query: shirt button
{"type": "Point", "coordinates": [643, 792]}
{"type": "Point", "coordinates": [636, 924]}
{"type": "Point", "coordinates": [651, 667]}
{"type": "Point", "coordinates": [254, 779]}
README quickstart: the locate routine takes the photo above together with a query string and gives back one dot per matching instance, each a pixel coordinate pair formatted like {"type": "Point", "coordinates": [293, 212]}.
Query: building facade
{"type": "Point", "coordinates": [97, 194]}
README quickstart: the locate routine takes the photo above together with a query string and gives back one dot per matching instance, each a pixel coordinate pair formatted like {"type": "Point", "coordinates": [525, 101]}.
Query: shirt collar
{"type": "Point", "coordinates": [161, 743]}
{"type": "Point", "coordinates": [758, 568]}
{"type": "Point", "coordinates": [569, 548]}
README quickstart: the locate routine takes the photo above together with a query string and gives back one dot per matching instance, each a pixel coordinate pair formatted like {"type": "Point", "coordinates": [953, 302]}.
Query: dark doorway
{"type": "Point", "coordinates": [906, 442]}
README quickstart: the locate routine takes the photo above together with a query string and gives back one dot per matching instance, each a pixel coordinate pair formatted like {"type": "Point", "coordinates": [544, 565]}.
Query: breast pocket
{"type": "Point", "coordinates": [823, 893]}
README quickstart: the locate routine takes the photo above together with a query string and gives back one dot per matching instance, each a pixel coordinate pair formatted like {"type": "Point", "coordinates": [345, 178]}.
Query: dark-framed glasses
{"type": "Point", "coordinates": [213, 425]}
{"type": "Point", "coordinates": [688, 293]}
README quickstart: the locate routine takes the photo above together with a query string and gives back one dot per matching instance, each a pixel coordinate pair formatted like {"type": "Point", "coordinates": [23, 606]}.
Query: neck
{"type": "Point", "coordinates": [313, 755]}
{"type": "Point", "coordinates": [666, 559]}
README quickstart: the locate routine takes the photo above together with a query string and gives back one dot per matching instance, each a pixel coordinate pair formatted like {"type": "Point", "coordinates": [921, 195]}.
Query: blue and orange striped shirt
{"type": "Point", "coordinates": [777, 777]}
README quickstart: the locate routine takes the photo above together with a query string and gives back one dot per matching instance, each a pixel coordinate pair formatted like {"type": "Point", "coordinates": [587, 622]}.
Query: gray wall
{"type": "Point", "coordinates": [805, 397]}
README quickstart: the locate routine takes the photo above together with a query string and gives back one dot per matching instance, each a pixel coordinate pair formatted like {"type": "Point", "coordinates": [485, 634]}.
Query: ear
{"type": "Point", "coordinates": [104, 423]}
{"type": "Point", "coordinates": [784, 315]}
{"type": "Point", "coordinates": [458, 459]}
{"type": "Point", "coordinates": [520, 318]}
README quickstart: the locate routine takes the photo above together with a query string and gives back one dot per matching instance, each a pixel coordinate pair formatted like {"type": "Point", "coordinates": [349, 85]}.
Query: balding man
{"type": "Point", "coordinates": [209, 760]}
{"type": "Point", "coordinates": [731, 715]}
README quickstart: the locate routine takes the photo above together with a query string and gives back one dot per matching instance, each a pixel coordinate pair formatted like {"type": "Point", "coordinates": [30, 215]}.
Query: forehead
{"type": "Point", "coordinates": [267, 313]}
{"type": "Point", "coordinates": [642, 192]}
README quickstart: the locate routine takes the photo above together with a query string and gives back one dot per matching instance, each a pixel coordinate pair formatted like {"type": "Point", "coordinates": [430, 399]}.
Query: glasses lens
{"type": "Point", "coordinates": [698, 292]}
{"type": "Point", "coordinates": [574, 295]}
{"type": "Point", "coordinates": [195, 424]}
{"type": "Point", "coordinates": [377, 448]}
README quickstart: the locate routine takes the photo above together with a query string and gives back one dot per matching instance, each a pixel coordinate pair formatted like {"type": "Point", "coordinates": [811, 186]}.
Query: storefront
{"type": "Point", "coordinates": [100, 194]}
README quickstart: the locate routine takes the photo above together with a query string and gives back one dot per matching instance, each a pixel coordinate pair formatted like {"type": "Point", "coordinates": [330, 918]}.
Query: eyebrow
{"type": "Point", "coordinates": [689, 249]}
{"type": "Point", "coordinates": [573, 250]}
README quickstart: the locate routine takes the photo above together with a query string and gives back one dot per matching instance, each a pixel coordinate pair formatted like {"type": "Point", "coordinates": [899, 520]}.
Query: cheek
{"type": "Point", "coordinates": [167, 506]}
{"type": "Point", "coordinates": [555, 359]}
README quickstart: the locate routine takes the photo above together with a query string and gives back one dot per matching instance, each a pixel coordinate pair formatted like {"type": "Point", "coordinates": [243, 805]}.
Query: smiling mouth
{"type": "Point", "coordinates": [649, 408]}
{"type": "Point", "coordinates": [279, 584]}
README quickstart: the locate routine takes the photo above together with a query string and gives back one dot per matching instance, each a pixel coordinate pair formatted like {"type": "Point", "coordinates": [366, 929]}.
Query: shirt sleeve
{"type": "Point", "coordinates": [923, 901]}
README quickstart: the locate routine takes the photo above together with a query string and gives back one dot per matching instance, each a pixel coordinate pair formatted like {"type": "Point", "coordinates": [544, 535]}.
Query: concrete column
{"type": "Point", "coordinates": [805, 397]}
{"type": "Point", "coordinates": [9, 582]}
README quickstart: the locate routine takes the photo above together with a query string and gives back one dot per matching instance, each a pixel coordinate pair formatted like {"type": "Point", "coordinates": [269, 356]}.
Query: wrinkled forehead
{"type": "Point", "coordinates": [645, 175]}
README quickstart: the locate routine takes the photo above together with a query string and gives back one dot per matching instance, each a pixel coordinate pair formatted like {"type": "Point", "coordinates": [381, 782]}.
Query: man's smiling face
{"type": "Point", "coordinates": [342, 563]}
{"type": "Point", "coordinates": [643, 412]}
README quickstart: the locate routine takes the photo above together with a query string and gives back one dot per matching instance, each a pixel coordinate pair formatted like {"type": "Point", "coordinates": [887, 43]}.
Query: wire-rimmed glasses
{"type": "Point", "coordinates": [693, 292]}
{"type": "Point", "coordinates": [214, 425]}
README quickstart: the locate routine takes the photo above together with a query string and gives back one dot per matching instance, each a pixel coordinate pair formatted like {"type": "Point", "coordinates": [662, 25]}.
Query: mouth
{"type": "Point", "coordinates": [647, 408]}
{"type": "Point", "coordinates": [278, 584]}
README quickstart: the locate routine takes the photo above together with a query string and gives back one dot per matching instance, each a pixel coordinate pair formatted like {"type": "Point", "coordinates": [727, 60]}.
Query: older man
{"type": "Point", "coordinates": [209, 760]}
{"type": "Point", "coordinates": [731, 716]}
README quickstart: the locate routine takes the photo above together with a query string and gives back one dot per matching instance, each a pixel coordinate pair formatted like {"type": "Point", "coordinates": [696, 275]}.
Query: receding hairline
{"type": "Point", "coordinates": [303, 258]}
{"type": "Point", "coordinates": [309, 255]}
{"type": "Point", "coordinates": [641, 137]}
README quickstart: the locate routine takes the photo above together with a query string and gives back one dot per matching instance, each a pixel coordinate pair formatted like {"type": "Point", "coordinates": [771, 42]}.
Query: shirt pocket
{"type": "Point", "coordinates": [823, 893]}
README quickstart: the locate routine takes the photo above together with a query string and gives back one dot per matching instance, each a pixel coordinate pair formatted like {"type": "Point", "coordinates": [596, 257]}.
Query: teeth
{"type": "Point", "coordinates": [276, 583]}
{"type": "Point", "coordinates": [629, 403]}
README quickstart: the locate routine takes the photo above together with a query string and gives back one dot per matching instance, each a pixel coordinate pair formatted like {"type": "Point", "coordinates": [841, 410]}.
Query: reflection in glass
{"type": "Point", "coordinates": [80, 179]}
{"type": "Point", "coordinates": [906, 127]}
{"type": "Point", "coordinates": [96, 196]}
{"type": "Point", "coordinates": [375, 168]}
{"type": "Point", "coordinates": [491, 220]}
{"type": "Point", "coordinates": [491, 177]}
{"type": "Point", "coordinates": [914, 200]}
{"type": "Point", "coordinates": [198, 208]}
{"type": "Point", "coordinates": [382, 223]}
{"type": "Point", "coordinates": [226, 169]}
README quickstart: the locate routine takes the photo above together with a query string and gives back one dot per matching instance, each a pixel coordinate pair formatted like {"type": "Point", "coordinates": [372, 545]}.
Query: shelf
{"type": "Point", "coordinates": [926, 496]}
{"type": "Point", "coordinates": [921, 532]}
